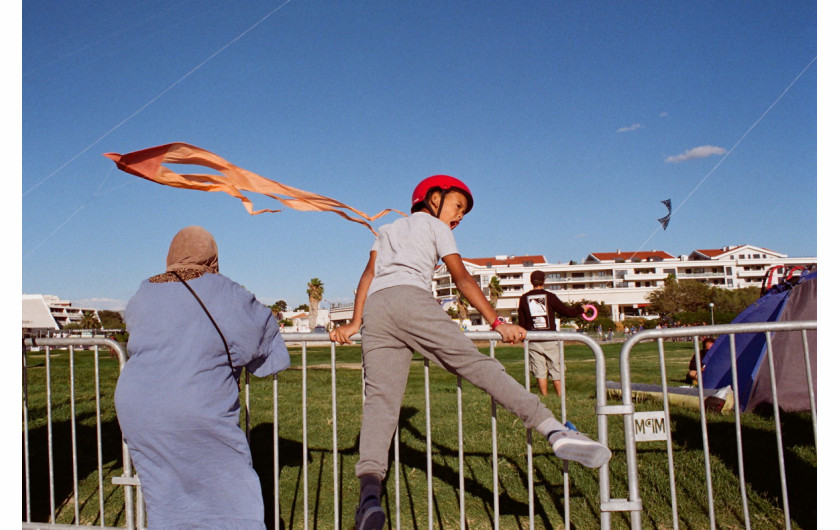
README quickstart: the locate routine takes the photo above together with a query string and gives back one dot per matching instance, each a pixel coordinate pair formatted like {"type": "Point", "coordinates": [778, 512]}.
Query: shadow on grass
{"type": "Point", "coordinates": [62, 470]}
{"type": "Point", "coordinates": [290, 461]}
{"type": "Point", "coordinates": [761, 462]}
{"type": "Point", "coordinates": [411, 458]}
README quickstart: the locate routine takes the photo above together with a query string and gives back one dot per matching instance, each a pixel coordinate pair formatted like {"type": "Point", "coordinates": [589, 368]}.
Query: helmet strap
{"type": "Point", "coordinates": [435, 214]}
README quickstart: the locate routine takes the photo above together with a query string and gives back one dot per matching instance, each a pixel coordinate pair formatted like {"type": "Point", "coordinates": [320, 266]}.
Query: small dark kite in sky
{"type": "Point", "coordinates": [667, 219]}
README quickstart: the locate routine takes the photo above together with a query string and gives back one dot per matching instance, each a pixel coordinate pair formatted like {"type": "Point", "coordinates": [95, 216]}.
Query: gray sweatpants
{"type": "Point", "coordinates": [404, 319]}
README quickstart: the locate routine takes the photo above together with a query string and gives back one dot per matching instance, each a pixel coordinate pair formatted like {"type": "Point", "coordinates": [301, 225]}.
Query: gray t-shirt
{"type": "Point", "coordinates": [408, 250]}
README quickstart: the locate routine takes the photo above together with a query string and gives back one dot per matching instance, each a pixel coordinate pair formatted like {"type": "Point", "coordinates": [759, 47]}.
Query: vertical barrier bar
{"type": "Point", "coordinates": [461, 503]}
{"type": "Point", "coordinates": [704, 431]}
{"type": "Point", "coordinates": [633, 494]}
{"type": "Point", "coordinates": [247, 405]}
{"type": "Point", "coordinates": [276, 448]}
{"type": "Point", "coordinates": [429, 491]}
{"type": "Point", "coordinates": [738, 440]}
{"type": "Point", "coordinates": [567, 509]}
{"type": "Point", "coordinates": [495, 450]}
{"type": "Point", "coordinates": [50, 437]}
{"type": "Point", "coordinates": [141, 510]}
{"type": "Point", "coordinates": [811, 398]}
{"type": "Point", "coordinates": [669, 442]}
{"type": "Point", "coordinates": [99, 435]}
{"type": "Point", "coordinates": [779, 446]}
{"type": "Point", "coordinates": [73, 447]}
{"type": "Point", "coordinates": [529, 445]}
{"type": "Point", "coordinates": [305, 463]}
{"type": "Point", "coordinates": [336, 513]}
{"type": "Point", "coordinates": [397, 474]}
{"type": "Point", "coordinates": [27, 494]}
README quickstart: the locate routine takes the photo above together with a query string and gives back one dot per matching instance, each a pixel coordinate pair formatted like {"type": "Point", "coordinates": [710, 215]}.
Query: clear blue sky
{"type": "Point", "coordinates": [570, 121]}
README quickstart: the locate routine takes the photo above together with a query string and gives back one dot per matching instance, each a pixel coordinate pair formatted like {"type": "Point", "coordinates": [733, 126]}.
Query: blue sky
{"type": "Point", "coordinates": [570, 121]}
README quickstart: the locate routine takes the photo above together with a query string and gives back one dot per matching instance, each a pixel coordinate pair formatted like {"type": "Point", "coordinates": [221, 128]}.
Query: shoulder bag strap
{"type": "Point", "coordinates": [227, 350]}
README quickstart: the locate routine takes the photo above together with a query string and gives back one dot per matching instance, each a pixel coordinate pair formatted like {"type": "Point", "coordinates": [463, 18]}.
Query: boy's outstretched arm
{"type": "Point", "coordinates": [472, 292]}
{"type": "Point", "coordinates": [343, 333]}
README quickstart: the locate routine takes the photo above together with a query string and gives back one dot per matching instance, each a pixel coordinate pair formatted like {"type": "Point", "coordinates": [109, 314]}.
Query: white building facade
{"type": "Point", "coordinates": [44, 314]}
{"type": "Point", "coordinates": [621, 280]}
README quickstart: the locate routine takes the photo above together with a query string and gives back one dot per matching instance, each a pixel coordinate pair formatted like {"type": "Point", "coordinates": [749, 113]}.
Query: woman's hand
{"type": "Point", "coordinates": [343, 333]}
{"type": "Point", "coordinates": [511, 333]}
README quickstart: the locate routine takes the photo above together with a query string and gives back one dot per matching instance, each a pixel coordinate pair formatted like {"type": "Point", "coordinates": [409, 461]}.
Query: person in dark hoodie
{"type": "Point", "coordinates": [537, 310]}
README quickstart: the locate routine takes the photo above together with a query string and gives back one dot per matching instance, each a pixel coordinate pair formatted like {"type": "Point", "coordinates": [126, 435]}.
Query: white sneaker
{"type": "Point", "coordinates": [574, 445]}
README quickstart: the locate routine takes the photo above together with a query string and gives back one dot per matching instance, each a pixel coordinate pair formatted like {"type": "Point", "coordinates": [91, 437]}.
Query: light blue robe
{"type": "Point", "coordinates": [178, 404]}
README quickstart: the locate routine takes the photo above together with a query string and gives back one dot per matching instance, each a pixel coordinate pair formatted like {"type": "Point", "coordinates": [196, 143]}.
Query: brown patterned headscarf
{"type": "Point", "coordinates": [193, 252]}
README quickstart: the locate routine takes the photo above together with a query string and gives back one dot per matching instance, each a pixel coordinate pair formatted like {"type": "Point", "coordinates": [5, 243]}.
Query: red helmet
{"type": "Point", "coordinates": [442, 183]}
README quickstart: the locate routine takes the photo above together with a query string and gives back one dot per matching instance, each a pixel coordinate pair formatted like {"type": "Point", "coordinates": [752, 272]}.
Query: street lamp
{"type": "Point", "coordinates": [712, 310]}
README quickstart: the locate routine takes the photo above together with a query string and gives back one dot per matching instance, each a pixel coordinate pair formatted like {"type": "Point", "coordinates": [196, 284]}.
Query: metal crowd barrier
{"type": "Point", "coordinates": [634, 502]}
{"type": "Point", "coordinates": [71, 344]}
{"type": "Point", "coordinates": [133, 504]}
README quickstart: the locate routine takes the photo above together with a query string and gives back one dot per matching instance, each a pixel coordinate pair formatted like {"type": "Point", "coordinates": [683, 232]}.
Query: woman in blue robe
{"type": "Point", "coordinates": [177, 398]}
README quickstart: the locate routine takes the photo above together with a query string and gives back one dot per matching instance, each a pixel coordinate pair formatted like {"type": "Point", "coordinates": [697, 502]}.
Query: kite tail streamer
{"type": "Point", "coordinates": [148, 164]}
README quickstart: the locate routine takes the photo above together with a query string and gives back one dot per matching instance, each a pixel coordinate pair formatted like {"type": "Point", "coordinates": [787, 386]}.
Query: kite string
{"type": "Point", "coordinates": [735, 146]}
{"type": "Point", "coordinates": [147, 104]}
{"type": "Point", "coordinates": [95, 195]}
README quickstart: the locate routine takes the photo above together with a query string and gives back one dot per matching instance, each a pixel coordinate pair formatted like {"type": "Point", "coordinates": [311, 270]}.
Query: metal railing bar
{"type": "Point", "coordinates": [779, 446]}
{"type": "Point", "coordinates": [529, 444]}
{"type": "Point", "coordinates": [99, 463]}
{"type": "Point", "coordinates": [73, 448]}
{"type": "Point", "coordinates": [50, 436]}
{"type": "Point", "coordinates": [247, 406]}
{"type": "Point", "coordinates": [397, 476]}
{"type": "Point", "coordinates": [429, 489]}
{"type": "Point", "coordinates": [336, 509]}
{"type": "Point", "coordinates": [27, 492]}
{"type": "Point", "coordinates": [276, 448]}
{"type": "Point", "coordinates": [495, 450]}
{"type": "Point", "coordinates": [461, 500]}
{"type": "Point", "coordinates": [704, 432]}
{"type": "Point", "coordinates": [305, 441]}
{"type": "Point", "coordinates": [669, 441]}
{"type": "Point", "coordinates": [567, 508]}
{"type": "Point", "coordinates": [811, 397]}
{"type": "Point", "coordinates": [739, 443]}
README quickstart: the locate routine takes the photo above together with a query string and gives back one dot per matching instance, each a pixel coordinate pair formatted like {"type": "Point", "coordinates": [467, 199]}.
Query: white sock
{"type": "Point", "coordinates": [549, 426]}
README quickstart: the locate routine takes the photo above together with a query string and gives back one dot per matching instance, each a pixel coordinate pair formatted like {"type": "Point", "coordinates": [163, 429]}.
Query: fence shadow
{"type": "Point", "coordinates": [761, 467]}
{"type": "Point", "coordinates": [86, 461]}
{"type": "Point", "coordinates": [411, 458]}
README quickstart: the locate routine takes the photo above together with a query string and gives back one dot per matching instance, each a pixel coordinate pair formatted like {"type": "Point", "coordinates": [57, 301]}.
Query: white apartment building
{"type": "Point", "coordinates": [621, 280]}
{"type": "Point", "coordinates": [45, 313]}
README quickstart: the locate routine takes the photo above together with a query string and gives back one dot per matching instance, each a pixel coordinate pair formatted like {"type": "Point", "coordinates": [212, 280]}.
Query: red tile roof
{"type": "Point", "coordinates": [509, 260]}
{"type": "Point", "coordinates": [641, 255]}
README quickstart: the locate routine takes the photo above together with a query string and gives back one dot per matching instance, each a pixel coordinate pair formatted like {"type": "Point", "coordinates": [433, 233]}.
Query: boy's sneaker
{"type": "Point", "coordinates": [574, 445]}
{"type": "Point", "coordinates": [370, 515]}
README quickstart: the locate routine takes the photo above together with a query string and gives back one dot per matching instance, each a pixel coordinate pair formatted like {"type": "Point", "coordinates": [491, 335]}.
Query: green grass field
{"type": "Point", "coordinates": [761, 468]}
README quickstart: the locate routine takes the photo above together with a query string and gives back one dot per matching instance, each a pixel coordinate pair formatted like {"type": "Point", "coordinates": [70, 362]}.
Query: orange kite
{"type": "Point", "coordinates": [148, 164]}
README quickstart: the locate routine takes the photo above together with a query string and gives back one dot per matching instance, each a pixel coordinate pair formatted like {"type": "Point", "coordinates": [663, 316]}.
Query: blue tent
{"type": "Point", "coordinates": [795, 299]}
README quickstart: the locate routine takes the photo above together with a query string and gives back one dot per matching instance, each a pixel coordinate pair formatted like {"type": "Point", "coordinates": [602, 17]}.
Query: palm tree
{"type": "Point", "coordinates": [496, 290]}
{"type": "Point", "coordinates": [89, 320]}
{"type": "Point", "coordinates": [278, 307]}
{"type": "Point", "coordinates": [315, 290]}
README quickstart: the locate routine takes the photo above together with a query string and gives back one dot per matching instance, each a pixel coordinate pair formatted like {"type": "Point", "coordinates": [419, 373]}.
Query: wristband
{"type": "Point", "coordinates": [496, 323]}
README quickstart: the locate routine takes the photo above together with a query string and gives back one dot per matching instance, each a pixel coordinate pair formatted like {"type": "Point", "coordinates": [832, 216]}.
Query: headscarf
{"type": "Point", "coordinates": [193, 248]}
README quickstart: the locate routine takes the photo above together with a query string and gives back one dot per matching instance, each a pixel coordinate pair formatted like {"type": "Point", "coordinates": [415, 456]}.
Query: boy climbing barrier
{"type": "Point", "coordinates": [397, 313]}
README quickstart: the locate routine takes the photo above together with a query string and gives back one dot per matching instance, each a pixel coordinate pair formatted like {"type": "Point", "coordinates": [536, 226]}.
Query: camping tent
{"type": "Point", "coordinates": [791, 300]}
